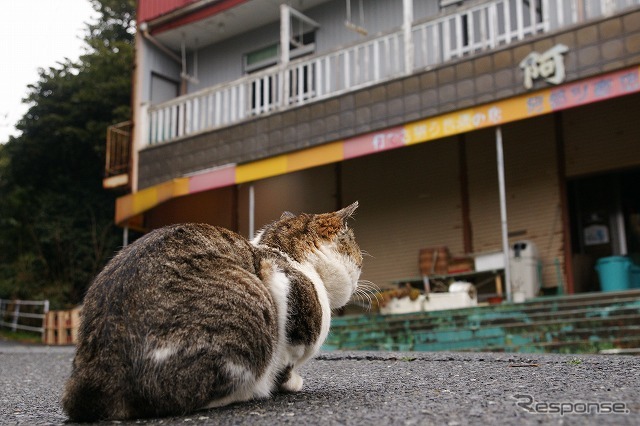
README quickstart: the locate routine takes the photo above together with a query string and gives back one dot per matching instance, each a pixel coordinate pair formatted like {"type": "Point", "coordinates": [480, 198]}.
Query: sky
{"type": "Point", "coordinates": [35, 34]}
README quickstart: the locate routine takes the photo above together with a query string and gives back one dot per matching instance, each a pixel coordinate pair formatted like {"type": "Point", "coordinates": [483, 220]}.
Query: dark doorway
{"type": "Point", "coordinates": [605, 221]}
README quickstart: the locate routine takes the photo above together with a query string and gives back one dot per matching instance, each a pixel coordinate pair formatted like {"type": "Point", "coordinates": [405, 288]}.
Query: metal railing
{"type": "Point", "coordinates": [480, 27]}
{"type": "Point", "coordinates": [118, 149]}
{"type": "Point", "coordinates": [26, 315]}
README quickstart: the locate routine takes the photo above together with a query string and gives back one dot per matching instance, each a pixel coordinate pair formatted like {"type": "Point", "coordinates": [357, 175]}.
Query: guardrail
{"type": "Point", "coordinates": [480, 27]}
{"type": "Point", "coordinates": [13, 314]}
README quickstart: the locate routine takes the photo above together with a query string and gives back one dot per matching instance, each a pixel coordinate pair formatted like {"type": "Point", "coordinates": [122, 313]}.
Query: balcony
{"type": "Point", "coordinates": [117, 154]}
{"type": "Point", "coordinates": [426, 45]}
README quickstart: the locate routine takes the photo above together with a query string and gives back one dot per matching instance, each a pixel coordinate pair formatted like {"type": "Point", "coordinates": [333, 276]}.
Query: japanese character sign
{"type": "Point", "coordinates": [548, 65]}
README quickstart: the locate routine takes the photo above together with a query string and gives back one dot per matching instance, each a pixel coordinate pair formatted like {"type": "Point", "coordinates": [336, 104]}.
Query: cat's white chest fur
{"type": "Point", "coordinates": [285, 355]}
{"type": "Point", "coordinates": [280, 285]}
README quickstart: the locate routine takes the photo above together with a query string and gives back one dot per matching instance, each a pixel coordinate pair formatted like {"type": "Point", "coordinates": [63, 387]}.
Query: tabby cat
{"type": "Point", "coordinates": [195, 316]}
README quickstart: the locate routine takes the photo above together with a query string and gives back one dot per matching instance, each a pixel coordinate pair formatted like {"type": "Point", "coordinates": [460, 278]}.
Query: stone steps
{"type": "Point", "coordinates": [585, 323]}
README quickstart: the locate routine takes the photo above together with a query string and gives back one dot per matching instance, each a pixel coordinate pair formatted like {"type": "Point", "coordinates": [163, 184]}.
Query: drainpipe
{"type": "Point", "coordinates": [144, 28]}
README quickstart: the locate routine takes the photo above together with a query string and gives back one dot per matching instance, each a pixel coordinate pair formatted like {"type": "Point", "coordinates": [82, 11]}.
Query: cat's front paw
{"type": "Point", "coordinates": [294, 384]}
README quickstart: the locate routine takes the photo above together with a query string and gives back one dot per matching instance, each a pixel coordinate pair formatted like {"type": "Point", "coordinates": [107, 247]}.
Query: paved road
{"type": "Point", "coordinates": [377, 388]}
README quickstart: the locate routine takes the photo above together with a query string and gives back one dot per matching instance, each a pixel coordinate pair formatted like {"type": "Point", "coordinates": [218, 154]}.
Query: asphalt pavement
{"type": "Point", "coordinates": [378, 388]}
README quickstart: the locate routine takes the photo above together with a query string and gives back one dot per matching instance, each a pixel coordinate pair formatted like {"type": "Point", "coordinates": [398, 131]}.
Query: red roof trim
{"type": "Point", "coordinates": [148, 10]}
{"type": "Point", "coordinates": [197, 15]}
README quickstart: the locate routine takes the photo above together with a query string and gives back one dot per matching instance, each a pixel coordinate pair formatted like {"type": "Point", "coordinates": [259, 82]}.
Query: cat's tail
{"type": "Point", "coordinates": [85, 401]}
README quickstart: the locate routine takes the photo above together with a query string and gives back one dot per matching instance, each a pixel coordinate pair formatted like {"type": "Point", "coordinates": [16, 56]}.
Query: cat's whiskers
{"type": "Point", "coordinates": [363, 295]}
{"type": "Point", "coordinates": [365, 253]}
{"type": "Point", "coordinates": [368, 285]}
{"type": "Point", "coordinates": [365, 292]}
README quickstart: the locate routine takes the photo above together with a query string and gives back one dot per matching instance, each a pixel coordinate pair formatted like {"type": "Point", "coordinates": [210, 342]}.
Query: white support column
{"type": "Point", "coordinates": [125, 236]}
{"type": "Point", "coordinates": [140, 140]}
{"type": "Point", "coordinates": [252, 211]}
{"type": "Point", "coordinates": [407, 21]}
{"type": "Point", "coordinates": [285, 33]}
{"type": "Point", "coordinates": [618, 218]}
{"type": "Point", "coordinates": [503, 213]}
{"type": "Point", "coordinates": [285, 36]}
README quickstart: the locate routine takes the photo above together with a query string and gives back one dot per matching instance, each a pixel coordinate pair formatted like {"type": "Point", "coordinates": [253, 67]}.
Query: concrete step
{"type": "Point", "coordinates": [506, 310]}
{"type": "Point", "coordinates": [489, 317]}
{"type": "Point", "coordinates": [586, 323]}
{"type": "Point", "coordinates": [590, 330]}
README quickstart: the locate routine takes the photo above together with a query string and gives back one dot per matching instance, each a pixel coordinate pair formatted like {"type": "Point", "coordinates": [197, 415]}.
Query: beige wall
{"type": "Point", "coordinates": [532, 190]}
{"type": "Point", "coordinates": [409, 199]}
{"type": "Point", "coordinates": [308, 191]}
{"type": "Point", "coordinates": [214, 207]}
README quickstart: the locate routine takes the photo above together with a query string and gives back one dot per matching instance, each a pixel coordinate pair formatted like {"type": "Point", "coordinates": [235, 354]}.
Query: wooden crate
{"type": "Point", "coordinates": [459, 265]}
{"type": "Point", "coordinates": [434, 260]}
{"type": "Point", "coordinates": [61, 327]}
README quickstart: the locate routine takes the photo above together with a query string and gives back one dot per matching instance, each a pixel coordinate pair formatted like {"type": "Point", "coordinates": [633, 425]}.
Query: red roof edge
{"type": "Point", "coordinates": [148, 10]}
{"type": "Point", "coordinates": [196, 15]}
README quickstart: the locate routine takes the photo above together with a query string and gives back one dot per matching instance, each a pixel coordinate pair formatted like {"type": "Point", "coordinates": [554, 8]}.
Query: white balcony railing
{"type": "Point", "coordinates": [478, 28]}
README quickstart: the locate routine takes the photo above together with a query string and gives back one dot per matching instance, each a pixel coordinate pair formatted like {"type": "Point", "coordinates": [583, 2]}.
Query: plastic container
{"type": "Point", "coordinates": [614, 273]}
{"type": "Point", "coordinates": [635, 276]}
{"type": "Point", "coordinates": [525, 272]}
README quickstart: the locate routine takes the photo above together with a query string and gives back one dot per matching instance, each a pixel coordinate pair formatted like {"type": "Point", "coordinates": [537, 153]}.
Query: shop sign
{"type": "Point", "coordinates": [548, 66]}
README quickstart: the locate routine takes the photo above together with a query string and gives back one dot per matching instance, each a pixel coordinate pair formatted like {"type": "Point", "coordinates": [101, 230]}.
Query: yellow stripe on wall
{"type": "Point", "coordinates": [144, 200]}
{"type": "Point", "coordinates": [316, 156]}
{"type": "Point", "coordinates": [124, 207]}
{"type": "Point", "coordinates": [261, 169]}
{"type": "Point", "coordinates": [174, 188]}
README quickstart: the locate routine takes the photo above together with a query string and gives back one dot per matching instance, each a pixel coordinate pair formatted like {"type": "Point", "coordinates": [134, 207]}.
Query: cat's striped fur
{"type": "Point", "coordinates": [195, 316]}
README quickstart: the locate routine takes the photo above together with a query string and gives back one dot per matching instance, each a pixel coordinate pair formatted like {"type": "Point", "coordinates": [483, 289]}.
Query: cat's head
{"type": "Point", "coordinates": [326, 242]}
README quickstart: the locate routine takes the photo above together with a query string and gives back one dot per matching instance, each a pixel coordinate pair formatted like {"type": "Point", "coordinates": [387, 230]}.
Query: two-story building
{"type": "Point", "coordinates": [465, 124]}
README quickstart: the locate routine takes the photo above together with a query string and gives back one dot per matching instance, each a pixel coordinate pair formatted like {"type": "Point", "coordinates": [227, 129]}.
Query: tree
{"type": "Point", "coordinates": [56, 221]}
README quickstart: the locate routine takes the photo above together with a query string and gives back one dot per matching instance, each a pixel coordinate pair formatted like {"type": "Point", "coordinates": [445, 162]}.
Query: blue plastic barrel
{"type": "Point", "coordinates": [635, 276]}
{"type": "Point", "coordinates": [614, 273]}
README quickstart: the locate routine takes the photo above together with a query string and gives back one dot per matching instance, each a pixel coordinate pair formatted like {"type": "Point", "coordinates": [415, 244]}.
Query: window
{"type": "Point", "coordinates": [262, 58]}
{"type": "Point", "coordinates": [270, 55]}
{"type": "Point", "coordinates": [162, 88]}
{"type": "Point", "coordinates": [445, 3]}
{"type": "Point", "coordinates": [264, 89]}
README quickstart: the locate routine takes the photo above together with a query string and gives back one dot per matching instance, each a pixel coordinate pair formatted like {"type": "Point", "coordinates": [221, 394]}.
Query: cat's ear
{"type": "Point", "coordinates": [347, 212]}
{"type": "Point", "coordinates": [330, 224]}
{"type": "Point", "coordinates": [287, 215]}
